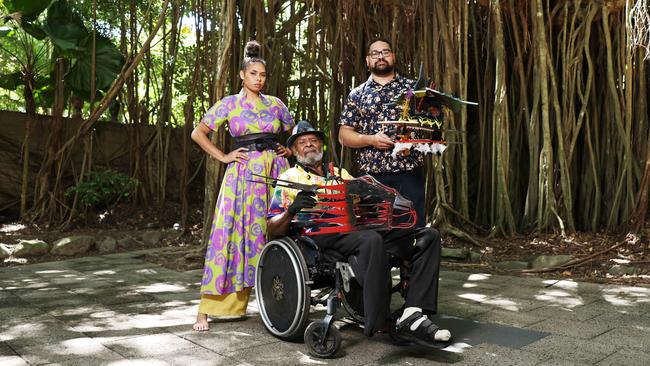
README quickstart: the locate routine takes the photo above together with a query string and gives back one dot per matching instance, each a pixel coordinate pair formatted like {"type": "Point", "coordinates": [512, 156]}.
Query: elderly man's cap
{"type": "Point", "coordinates": [303, 128]}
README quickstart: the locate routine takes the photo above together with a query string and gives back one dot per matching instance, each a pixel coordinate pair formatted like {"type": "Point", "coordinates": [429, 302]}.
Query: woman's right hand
{"type": "Point", "coordinates": [238, 155]}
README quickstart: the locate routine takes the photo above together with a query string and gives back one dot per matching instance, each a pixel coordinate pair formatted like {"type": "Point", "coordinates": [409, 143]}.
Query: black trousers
{"type": "Point", "coordinates": [409, 184]}
{"type": "Point", "coordinates": [368, 254]}
{"type": "Point", "coordinates": [368, 259]}
{"type": "Point", "coordinates": [421, 249]}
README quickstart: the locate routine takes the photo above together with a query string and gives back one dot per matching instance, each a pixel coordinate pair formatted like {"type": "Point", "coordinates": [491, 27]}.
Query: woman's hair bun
{"type": "Point", "coordinates": [252, 49]}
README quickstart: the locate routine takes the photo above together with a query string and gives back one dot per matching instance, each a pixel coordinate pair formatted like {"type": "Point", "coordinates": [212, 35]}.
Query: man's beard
{"type": "Point", "coordinates": [311, 158]}
{"type": "Point", "coordinates": [382, 70]}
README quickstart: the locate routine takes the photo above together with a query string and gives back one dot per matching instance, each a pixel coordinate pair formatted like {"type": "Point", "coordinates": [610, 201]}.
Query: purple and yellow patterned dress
{"type": "Point", "coordinates": [239, 224]}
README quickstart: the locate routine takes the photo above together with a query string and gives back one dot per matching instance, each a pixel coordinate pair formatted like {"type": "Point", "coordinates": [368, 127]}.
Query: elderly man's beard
{"type": "Point", "coordinates": [310, 158]}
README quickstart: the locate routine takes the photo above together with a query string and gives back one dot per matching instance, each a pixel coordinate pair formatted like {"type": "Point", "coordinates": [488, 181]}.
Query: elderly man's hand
{"type": "Point", "coordinates": [282, 151]}
{"type": "Point", "coordinates": [304, 199]}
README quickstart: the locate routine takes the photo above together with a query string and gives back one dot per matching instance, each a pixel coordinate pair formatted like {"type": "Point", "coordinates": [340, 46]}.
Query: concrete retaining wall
{"type": "Point", "coordinates": [111, 148]}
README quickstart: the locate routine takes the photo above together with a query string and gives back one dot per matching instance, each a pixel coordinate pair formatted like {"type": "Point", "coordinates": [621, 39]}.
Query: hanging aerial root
{"type": "Point", "coordinates": [448, 229]}
{"type": "Point", "coordinates": [460, 216]}
{"type": "Point", "coordinates": [639, 24]}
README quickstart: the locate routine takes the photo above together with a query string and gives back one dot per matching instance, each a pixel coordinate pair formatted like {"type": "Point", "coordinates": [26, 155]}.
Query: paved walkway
{"type": "Point", "coordinates": [120, 310]}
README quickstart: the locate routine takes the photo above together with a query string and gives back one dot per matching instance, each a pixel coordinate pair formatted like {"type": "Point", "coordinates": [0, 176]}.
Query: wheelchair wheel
{"type": "Point", "coordinates": [320, 344]}
{"type": "Point", "coordinates": [352, 301]}
{"type": "Point", "coordinates": [283, 291]}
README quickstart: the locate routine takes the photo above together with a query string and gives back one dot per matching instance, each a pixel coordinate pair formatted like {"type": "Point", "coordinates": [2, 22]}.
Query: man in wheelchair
{"type": "Point", "coordinates": [368, 252]}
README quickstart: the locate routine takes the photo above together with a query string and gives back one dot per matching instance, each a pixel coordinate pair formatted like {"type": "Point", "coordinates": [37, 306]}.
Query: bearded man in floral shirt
{"type": "Point", "coordinates": [366, 105]}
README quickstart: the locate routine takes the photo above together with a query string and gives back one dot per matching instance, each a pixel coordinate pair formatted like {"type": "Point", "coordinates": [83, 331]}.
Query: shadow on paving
{"type": "Point", "coordinates": [474, 332]}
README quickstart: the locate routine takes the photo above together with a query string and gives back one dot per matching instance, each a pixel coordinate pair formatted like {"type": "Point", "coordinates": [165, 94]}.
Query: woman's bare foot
{"type": "Point", "coordinates": [201, 324]}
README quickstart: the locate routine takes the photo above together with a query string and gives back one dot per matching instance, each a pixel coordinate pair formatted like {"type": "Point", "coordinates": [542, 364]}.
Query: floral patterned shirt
{"type": "Point", "coordinates": [368, 104]}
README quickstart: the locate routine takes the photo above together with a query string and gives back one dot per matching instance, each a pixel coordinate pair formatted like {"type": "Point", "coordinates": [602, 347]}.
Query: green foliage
{"type": "Point", "coordinates": [11, 81]}
{"type": "Point", "coordinates": [64, 29]}
{"type": "Point", "coordinates": [108, 63]}
{"type": "Point", "coordinates": [44, 91]}
{"type": "Point", "coordinates": [29, 9]}
{"type": "Point", "coordinates": [7, 36]}
{"type": "Point", "coordinates": [6, 31]}
{"type": "Point", "coordinates": [35, 30]}
{"type": "Point", "coordinates": [103, 187]}
{"type": "Point", "coordinates": [26, 55]}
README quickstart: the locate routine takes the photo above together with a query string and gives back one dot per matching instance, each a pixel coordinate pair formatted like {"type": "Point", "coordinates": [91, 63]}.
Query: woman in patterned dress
{"type": "Point", "coordinates": [238, 230]}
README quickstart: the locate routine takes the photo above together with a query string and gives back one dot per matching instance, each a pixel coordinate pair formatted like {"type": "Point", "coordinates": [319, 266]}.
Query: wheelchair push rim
{"type": "Point", "coordinates": [283, 291]}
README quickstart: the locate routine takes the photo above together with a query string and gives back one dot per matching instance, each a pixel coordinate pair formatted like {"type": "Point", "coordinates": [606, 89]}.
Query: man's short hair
{"type": "Point", "coordinates": [379, 39]}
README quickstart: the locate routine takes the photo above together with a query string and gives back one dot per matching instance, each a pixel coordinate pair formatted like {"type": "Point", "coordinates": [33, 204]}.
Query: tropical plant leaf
{"type": "Point", "coordinates": [65, 28]}
{"type": "Point", "coordinates": [7, 40]}
{"type": "Point", "coordinates": [7, 32]}
{"type": "Point", "coordinates": [11, 81]}
{"type": "Point", "coordinates": [29, 9]}
{"type": "Point", "coordinates": [34, 29]}
{"type": "Point", "coordinates": [108, 64]}
{"type": "Point", "coordinates": [44, 91]}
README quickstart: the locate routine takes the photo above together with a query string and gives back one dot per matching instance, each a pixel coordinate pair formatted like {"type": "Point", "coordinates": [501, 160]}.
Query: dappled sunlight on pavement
{"type": "Point", "coordinates": [627, 296]}
{"type": "Point", "coordinates": [119, 310]}
{"type": "Point", "coordinates": [496, 301]}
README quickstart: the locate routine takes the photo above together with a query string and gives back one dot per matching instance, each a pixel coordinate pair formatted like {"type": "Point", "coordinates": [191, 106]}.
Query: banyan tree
{"type": "Point", "coordinates": [559, 142]}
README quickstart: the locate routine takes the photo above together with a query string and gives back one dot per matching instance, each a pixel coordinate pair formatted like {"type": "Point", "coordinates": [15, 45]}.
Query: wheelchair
{"type": "Point", "coordinates": [289, 269]}
{"type": "Point", "coordinates": [287, 272]}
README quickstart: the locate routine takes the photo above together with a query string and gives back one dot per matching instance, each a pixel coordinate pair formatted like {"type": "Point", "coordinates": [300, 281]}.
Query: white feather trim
{"type": "Point", "coordinates": [437, 149]}
{"type": "Point", "coordinates": [399, 147]}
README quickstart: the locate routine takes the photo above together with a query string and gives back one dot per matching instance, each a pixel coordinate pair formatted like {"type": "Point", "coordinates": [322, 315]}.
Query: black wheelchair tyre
{"type": "Point", "coordinates": [283, 291]}
{"type": "Point", "coordinates": [352, 301]}
{"type": "Point", "coordinates": [315, 334]}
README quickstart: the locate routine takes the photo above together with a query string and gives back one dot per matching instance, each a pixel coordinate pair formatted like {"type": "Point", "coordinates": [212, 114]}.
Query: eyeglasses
{"type": "Point", "coordinates": [383, 53]}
